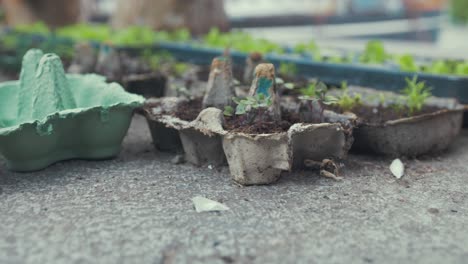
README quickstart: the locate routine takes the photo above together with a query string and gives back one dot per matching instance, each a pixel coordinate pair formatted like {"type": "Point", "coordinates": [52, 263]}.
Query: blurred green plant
{"type": "Point", "coordinates": [35, 28]}
{"type": "Point", "coordinates": [439, 67]}
{"type": "Point", "coordinates": [374, 53]}
{"type": "Point", "coordinates": [459, 11]}
{"type": "Point", "coordinates": [308, 48]}
{"type": "Point", "coordinates": [346, 101]}
{"type": "Point", "coordinates": [240, 41]}
{"type": "Point", "coordinates": [288, 69]}
{"type": "Point", "coordinates": [416, 93]}
{"type": "Point", "coordinates": [407, 63]}
{"type": "Point", "coordinates": [90, 32]}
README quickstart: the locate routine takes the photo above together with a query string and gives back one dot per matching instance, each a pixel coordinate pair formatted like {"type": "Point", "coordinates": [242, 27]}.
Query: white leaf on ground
{"type": "Point", "coordinates": [203, 204]}
{"type": "Point", "coordinates": [397, 168]}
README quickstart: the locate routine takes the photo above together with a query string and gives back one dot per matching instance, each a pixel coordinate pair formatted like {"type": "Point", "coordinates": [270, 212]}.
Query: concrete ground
{"type": "Point", "coordinates": [137, 209]}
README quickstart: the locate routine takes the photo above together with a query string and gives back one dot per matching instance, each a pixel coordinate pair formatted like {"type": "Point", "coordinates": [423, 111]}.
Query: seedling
{"type": "Point", "coordinates": [164, 61]}
{"type": "Point", "coordinates": [407, 63]}
{"type": "Point", "coordinates": [416, 94]}
{"type": "Point", "coordinates": [462, 68]}
{"type": "Point", "coordinates": [252, 107]}
{"type": "Point", "coordinates": [240, 41]}
{"type": "Point", "coordinates": [439, 67]}
{"type": "Point", "coordinates": [310, 48]}
{"type": "Point", "coordinates": [313, 99]}
{"type": "Point", "coordinates": [287, 69]}
{"type": "Point", "coordinates": [346, 101]}
{"type": "Point", "coordinates": [374, 53]}
{"type": "Point", "coordinates": [381, 99]}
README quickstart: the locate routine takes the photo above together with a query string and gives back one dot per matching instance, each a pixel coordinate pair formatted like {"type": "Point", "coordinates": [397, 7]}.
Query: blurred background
{"type": "Point", "coordinates": [419, 27]}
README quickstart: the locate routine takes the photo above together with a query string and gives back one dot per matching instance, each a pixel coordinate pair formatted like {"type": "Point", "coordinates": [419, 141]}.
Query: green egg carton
{"type": "Point", "coordinates": [48, 116]}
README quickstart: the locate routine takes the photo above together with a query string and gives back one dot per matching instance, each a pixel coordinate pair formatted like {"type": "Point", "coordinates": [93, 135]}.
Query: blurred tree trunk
{"type": "Point", "coordinates": [52, 12]}
{"type": "Point", "coordinates": [197, 15]}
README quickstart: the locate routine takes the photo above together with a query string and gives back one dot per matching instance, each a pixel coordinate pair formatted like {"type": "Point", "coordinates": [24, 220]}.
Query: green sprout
{"type": "Point", "coordinates": [255, 106]}
{"type": "Point", "coordinates": [179, 68]}
{"type": "Point", "coordinates": [382, 99]}
{"type": "Point", "coordinates": [416, 94]}
{"type": "Point", "coordinates": [314, 98]}
{"type": "Point", "coordinates": [287, 69]}
{"type": "Point", "coordinates": [311, 89]}
{"type": "Point", "coordinates": [346, 101]}
{"type": "Point", "coordinates": [35, 28]}
{"type": "Point", "coordinates": [240, 41]}
{"type": "Point", "coordinates": [374, 53]}
{"type": "Point", "coordinates": [439, 67]}
{"type": "Point", "coordinates": [461, 68]}
{"type": "Point", "coordinates": [310, 48]}
{"type": "Point", "coordinates": [407, 63]}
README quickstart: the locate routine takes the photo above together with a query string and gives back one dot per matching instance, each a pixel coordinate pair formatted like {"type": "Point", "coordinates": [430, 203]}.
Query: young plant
{"type": "Point", "coordinates": [83, 32]}
{"type": "Point", "coordinates": [374, 53]}
{"type": "Point", "coordinates": [416, 93]}
{"type": "Point", "coordinates": [461, 68]}
{"type": "Point", "coordinates": [287, 69]}
{"type": "Point", "coordinates": [253, 108]}
{"type": "Point", "coordinates": [381, 99]}
{"type": "Point", "coordinates": [39, 28]}
{"type": "Point", "coordinates": [439, 67]}
{"type": "Point", "coordinates": [308, 48]}
{"type": "Point", "coordinates": [346, 101]}
{"type": "Point", "coordinates": [134, 36]}
{"type": "Point", "coordinates": [313, 100]}
{"type": "Point", "coordinates": [406, 63]}
{"type": "Point", "coordinates": [240, 41]}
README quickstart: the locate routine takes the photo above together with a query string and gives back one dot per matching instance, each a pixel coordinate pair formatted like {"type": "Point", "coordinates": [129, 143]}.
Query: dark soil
{"type": "Point", "coordinates": [238, 124]}
{"type": "Point", "coordinates": [189, 110]}
{"type": "Point", "coordinates": [380, 115]}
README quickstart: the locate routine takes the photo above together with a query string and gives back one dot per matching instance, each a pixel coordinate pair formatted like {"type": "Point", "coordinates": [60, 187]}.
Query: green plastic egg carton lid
{"type": "Point", "coordinates": [49, 116]}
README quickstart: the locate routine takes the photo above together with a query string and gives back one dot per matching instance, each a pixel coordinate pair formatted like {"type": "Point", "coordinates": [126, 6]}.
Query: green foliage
{"type": "Point", "coordinates": [346, 101]}
{"type": "Point", "coordinates": [462, 68]}
{"type": "Point", "coordinates": [316, 91]}
{"type": "Point", "coordinates": [134, 36]}
{"type": "Point", "coordinates": [336, 59]}
{"type": "Point", "coordinates": [287, 69]}
{"type": "Point", "coordinates": [35, 28]}
{"type": "Point", "coordinates": [439, 67]}
{"type": "Point", "coordinates": [240, 41]}
{"type": "Point", "coordinates": [381, 99]}
{"type": "Point", "coordinates": [9, 41]}
{"type": "Point", "coordinates": [244, 105]}
{"type": "Point", "coordinates": [459, 10]}
{"type": "Point", "coordinates": [179, 68]}
{"type": "Point", "coordinates": [310, 48]}
{"type": "Point", "coordinates": [313, 90]}
{"type": "Point", "coordinates": [130, 36]}
{"type": "Point", "coordinates": [416, 93]}
{"type": "Point", "coordinates": [228, 110]}
{"type": "Point", "coordinates": [164, 61]}
{"type": "Point", "coordinates": [374, 53]}
{"type": "Point", "coordinates": [407, 63]}
{"type": "Point", "coordinates": [90, 32]}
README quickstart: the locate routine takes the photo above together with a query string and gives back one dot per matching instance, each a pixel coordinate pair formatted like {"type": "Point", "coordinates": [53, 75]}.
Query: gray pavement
{"type": "Point", "coordinates": [137, 209]}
